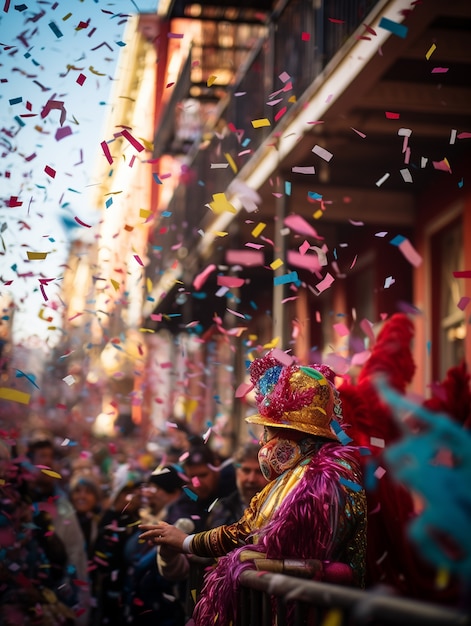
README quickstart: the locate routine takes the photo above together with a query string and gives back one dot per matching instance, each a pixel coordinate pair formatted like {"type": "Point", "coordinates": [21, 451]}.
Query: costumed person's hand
{"type": "Point", "coordinates": [163, 534]}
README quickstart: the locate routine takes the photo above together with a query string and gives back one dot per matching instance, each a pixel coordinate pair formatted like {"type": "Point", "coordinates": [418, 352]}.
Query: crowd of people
{"type": "Point", "coordinates": [90, 539]}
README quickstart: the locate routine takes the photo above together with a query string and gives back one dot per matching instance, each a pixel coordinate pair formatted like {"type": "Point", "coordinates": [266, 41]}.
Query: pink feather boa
{"type": "Point", "coordinates": [303, 527]}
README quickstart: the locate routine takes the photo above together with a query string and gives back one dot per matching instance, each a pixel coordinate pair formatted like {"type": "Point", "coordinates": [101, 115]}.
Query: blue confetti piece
{"type": "Point", "coordinates": [287, 188]}
{"type": "Point", "coordinates": [109, 202]}
{"type": "Point", "coordinates": [314, 195]}
{"type": "Point", "coordinates": [397, 240]}
{"type": "Point", "coordinates": [155, 176]}
{"type": "Point", "coordinates": [15, 100]}
{"type": "Point", "coordinates": [19, 121]}
{"type": "Point", "coordinates": [350, 484]}
{"type": "Point", "coordinates": [191, 494]}
{"type": "Point", "coordinates": [55, 29]}
{"type": "Point", "coordinates": [396, 29]}
{"type": "Point", "coordinates": [292, 277]}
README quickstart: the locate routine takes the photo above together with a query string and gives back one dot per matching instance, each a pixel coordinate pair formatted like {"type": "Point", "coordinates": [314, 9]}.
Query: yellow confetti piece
{"type": "Point", "coordinates": [14, 395]}
{"type": "Point", "coordinates": [253, 337]}
{"type": "Point", "coordinates": [146, 330]}
{"type": "Point", "coordinates": [144, 213]}
{"type": "Point", "coordinates": [115, 284]}
{"type": "Point", "coordinates": [51, 473]}
{"type": "Point", "coordinates": [272, 344]}
{"type": "Point", "coordinates": [231, 162]}
{"type": "Point", "coordinates": [261, 122]}
{"type": "Point", "coordinates": [211, 80]}
{"type": "Point", "coordinates": [148, 145]}
{"type": "Point", "coordinates": [333, 618]}
{"type": "Point", "coordinates": [276, 264]}
{"type": "Point", "coordinates": [258, 229]}
{"type": "Point", "coordinates": [221, 204]}
{"type": "Point", "coordinates": [430, 51]}
{"type": "Point", "coordinates": [292, 99]}
{"type": "Point", "coordinates": [220, 233]}
{"type": "Point", "coordinates": [36, 256]}
{"type": "Point", "coordinates": [148, 285]}
{"type": "Point", "coordinates": [193, 595]}
{"type": "Point", "coordinates": [317, 214]}
{"type": "Point", "coordinates": [442, 579]}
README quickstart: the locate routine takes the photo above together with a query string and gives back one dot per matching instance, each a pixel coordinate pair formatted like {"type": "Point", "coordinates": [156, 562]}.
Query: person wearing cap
{"type": "Point", "coordinates": [148, 597]}
{"type": "Point", "coordinates": [313, 508]}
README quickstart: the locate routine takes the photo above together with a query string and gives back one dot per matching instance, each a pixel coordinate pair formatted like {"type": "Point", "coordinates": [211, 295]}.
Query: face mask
{"type": "Point", "coordinates": [278, 455]}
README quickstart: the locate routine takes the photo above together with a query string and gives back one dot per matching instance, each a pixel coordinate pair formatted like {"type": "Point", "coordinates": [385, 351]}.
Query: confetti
{"type": "Point", "coordinates": [323, 153]}
{"type": "Point", "coordinates": [6, 393]}
{"type": "Point", "coordinates": [36, 256]}
{"type": "Point", "coordinates": [393, 27]}
{"type": "Point", "coordinates": [260, 123]}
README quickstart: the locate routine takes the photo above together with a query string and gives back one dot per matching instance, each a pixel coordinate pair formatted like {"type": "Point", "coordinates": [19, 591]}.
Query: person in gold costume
{"type": "Point", "coordinates": [312, 510]}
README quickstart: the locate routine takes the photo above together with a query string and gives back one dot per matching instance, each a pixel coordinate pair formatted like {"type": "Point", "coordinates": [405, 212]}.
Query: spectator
{"type": "Point", "coordinates": [209, 480]}
{"type": "Point", "coordinates": [313, 508]}
{"type": "Point", "coordinates": [249, 481]}
{"type": "Point", "coordinates": [86, 496]}
{"type": "Point", "coordinates": [118, 523]}
{"type": "Point", "coordinates": [54, 514]}
{"type": "Point", "coordinates": [150, 598]}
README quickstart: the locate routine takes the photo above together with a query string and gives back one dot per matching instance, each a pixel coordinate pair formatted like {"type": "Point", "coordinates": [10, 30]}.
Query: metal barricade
{"type": "Point", "coordinates": [276, 599]}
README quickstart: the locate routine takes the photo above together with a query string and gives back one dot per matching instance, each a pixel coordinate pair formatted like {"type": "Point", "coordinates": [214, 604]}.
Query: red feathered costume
{"type": "Point", "coordinates": [391, 558]}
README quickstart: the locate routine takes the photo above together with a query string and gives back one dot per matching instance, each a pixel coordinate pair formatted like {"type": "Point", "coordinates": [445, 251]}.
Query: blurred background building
{"type": "Point", "coordinates": [302, 175]}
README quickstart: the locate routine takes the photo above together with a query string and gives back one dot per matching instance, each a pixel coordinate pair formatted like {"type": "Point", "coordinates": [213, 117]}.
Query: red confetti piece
{"type": "Point", "coordinates": [462, 274]}
{"type": "Point", "coordinates": [392, 116]}
{"type": "Point", "coordinates": [138, 259]}
{"type": "Point", "coordinates": [13, 202]}
{"type": "Point", "coordinates": [134, 143]}
{"type": "Point", "coordinates": [335, 21]}
{"type": "Point", "coordinates": [106, 152]}
{"type": "Point", "coordinates": [50, 171]}
{"type": "Point", "coordinates": [81, 78]}
{"type": "Point", "coordinates": [305, 36]}
{"type": "Point", "coordinates": [79, 221]}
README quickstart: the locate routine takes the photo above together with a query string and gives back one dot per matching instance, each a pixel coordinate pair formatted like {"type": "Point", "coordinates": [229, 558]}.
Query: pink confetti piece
{"type": "Point", "coordinates": [440, 70]}
{"type": "Point", "coordinates": [230, 281]}
{"type": "Point", "coordinates": [323, 153]}
{"type": "Point", "coordinates": [305, 36]}
{"type": "Point", "coordinates": [308, 262]}
{"type": "Point", "coordinates": [463, 303]}
{"type": "Point", "coordinates": [362, 135]}
{"type": "Point", "coordinates": [81, 78]}
{"type": "Point", "coordinates": [325, 283]}
{"type": "Point", "coordinates": [464, 135]}
{"type": "Point", "coordinates": [390, 115]}
{"type": "Point", "coordinates": [282, 357]}
{"type": "Point", "coordinates": [243, 389]}
{"type": "Point", "coordinates": [367, 328]}
{"type": "Point", "coordinates": [201, 278]}
{"type": "Point", "coordinates": [303, 170]}
{"type": "Point", "coordinates": [304, 247]}
{"type": "Point", "coordinates": [301, 226]}
{"type": "Point", "coordinates": [138, 259]}
{"type": "Point", "coordinates": [336, 21]}
{"type": "Point", "coordinates": [246, 258]}
{"type": "Point", "coordinates": [175, 35]}
{"type": "Point", "coordinates": [236, 313]}
{"type": "Point", "coordinates": [341, 329]}
{"type": "Point", "coordinates": [462, 274]}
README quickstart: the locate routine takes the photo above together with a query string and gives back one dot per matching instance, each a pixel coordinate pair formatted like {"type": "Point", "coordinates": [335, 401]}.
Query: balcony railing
{"type": "Point", "coordinates": [303, 37]}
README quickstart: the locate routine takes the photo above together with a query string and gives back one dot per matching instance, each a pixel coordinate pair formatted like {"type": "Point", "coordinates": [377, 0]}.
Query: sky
{"type": "Point", "coordinates": [58, 64]}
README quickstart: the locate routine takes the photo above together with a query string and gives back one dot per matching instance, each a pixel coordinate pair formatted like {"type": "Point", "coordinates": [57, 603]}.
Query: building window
{"type": "Point", "coordinates": [448, 257]}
